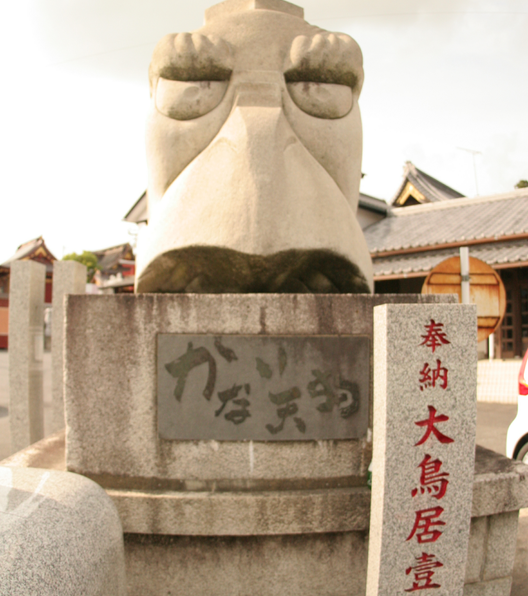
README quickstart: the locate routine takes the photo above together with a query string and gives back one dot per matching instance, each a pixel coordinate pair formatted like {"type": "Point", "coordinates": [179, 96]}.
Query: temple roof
{"type": "Point", "coordinates": [112, 257]}
{"type": "Point", "coordinates": [33, 250]}
{"type": "Point", "coordinates": [423, 227]}
{"type": "Point", "coordinates": [417, 187]}
{"type": "Point", "coordinates": [412, 240]}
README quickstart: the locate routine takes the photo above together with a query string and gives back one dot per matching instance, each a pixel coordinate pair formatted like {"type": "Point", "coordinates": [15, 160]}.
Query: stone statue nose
{"type": "Point", "coordinates": [257, 130]}
{"type": "Point", "coordinates": [258, 88]}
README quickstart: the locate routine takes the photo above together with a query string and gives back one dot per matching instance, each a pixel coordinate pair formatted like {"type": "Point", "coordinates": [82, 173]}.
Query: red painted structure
{"type": "Point", "coordinates": [34, 250]}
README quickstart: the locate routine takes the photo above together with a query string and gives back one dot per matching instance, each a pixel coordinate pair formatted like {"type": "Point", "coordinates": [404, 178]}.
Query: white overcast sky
{"type": "Point", "coordinates": [439, 74]}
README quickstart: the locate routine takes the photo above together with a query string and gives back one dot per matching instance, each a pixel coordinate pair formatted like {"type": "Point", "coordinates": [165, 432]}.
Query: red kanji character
{"type": "Point", "coordinates": [431, 479]}
{"type": "Point", "coordinates": [423, 573]}
{"type": "Point", "coordinates": [431, 428]}
{"type": "Point", "coordinates": [435, 335]}
{"type": "Point", "coordinates": [423, 522]}
{"type": "Point", "coordinates": [425, 380]}
{"type": "Point", "coordinates": [438, 374]}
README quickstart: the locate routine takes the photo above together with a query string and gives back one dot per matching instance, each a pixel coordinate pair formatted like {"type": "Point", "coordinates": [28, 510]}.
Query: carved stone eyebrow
{"type": "Point", "coordinates": [191, 57]}
{"type": "Point", "coordinates": [326, 58]}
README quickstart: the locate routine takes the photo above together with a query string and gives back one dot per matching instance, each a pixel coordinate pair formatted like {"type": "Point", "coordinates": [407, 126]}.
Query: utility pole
{"type": "Point", "coordinates": [473, 153]}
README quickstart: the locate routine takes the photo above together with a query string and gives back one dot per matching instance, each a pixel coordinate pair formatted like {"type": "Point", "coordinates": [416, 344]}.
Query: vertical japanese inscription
{"type": "Point", "coordinates": [428, 523]}
{"type": "Point", "coordinates": [263, 388]}
{"type": "Point", "coordinates": [424, 445]}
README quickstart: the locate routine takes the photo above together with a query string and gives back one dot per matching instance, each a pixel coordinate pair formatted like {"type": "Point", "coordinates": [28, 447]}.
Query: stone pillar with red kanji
{"type": "Point", "coordinates": [425, 383]}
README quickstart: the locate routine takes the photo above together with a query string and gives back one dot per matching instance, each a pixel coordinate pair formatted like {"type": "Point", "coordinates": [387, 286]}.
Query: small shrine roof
{"type": "Point", "coordinates": [112, 257]}
{"type": "Point", "coordinates": [34, 250]}
{"type": "Point", "coordinates": [422, 187]}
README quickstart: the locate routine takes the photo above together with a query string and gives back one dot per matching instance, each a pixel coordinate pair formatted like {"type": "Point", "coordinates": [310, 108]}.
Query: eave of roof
{"type": "Point", "coordinates": [373, 204]}
{"type": "Point", "coordinates": [138, 212]}
{"type": "Point", "coordinates": [450, 223]}
{"type": "Point", "coordinates": [25, 250]}
{"type": "Point", "coordinates": [499, 255]}
{"type": "Point", "coordinates": [431, 188]}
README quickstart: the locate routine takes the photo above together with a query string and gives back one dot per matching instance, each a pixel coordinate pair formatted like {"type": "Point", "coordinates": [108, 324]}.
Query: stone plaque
{"type": "Point", "coordinates": [425, 383]}
{"type": "Point", "coordinates": [268, 388]}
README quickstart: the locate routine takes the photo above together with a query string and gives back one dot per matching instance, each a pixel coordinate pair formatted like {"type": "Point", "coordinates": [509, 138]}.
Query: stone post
{"type": "Point", "coordinates": [425, 377]}
{"type": "Point", "coordinates": [26, 346]}
{"type": "Point", "coordinates": [69, 277]}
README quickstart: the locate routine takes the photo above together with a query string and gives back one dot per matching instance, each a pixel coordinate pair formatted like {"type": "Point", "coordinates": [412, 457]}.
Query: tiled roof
{"type": "Point", "coordinates": [446, 222]}
{"type": "Point", "coordinates": [431, 188]}
{"type": "Point", "coordinates": [110, 258]}
{"type": "Point", "coordinates": [496, 254]}
{"type": "Point", "coordinates": [373, 204]}
{"type": "Point", "coordinates": [26, 250]}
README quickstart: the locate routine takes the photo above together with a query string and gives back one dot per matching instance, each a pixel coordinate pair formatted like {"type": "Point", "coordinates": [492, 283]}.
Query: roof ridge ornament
{"type": "Point", "coordinates": [233, 6]}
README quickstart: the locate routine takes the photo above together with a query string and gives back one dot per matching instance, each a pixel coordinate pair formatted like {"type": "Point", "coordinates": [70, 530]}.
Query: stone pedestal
{"type": "Point", "coordinates": [221, 517]}
{"type": "Point", "coordinates": [217, 516]}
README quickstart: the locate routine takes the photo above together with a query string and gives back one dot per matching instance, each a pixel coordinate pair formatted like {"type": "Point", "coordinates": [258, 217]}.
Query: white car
{"type": "Point", "coordinates": [517, 439]}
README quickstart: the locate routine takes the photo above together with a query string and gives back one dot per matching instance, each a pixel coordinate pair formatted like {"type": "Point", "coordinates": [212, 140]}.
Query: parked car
{"type": "Point", "coordinates": [517, 439]}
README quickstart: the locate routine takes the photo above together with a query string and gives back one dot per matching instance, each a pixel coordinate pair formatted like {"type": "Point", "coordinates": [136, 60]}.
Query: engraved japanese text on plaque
{"type": "Point", "coordinates": [277, 388]}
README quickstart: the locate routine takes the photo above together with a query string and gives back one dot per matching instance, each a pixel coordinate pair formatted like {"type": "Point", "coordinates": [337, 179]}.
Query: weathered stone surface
{"type": "Point", "coordinates": [494, 587]}
{"type": "Point", "coordinates": [271, 388]}
{"type": "Point", "coordinates": [491, 496]}
{"type": "Point", "coordinates": [254, 146]}
{"type": "Point", "coordinates": [476, 557]}
{"type": "Point", "coordinates": [425, 360]}
{"type": "Point", "coordinates": [502, 541]}
{"type": "Point", "coordinates": [113, 339]}
{"type": "Point", "coordinates": [309, 565]}
{"type": "Point", "coordinates": [60, 535]}
{"type": "Point", "coordinates": [48, 453]}
{"type": "Point", "coordinates": [243, 513]}
{"type": "Point", "coordinates": [26, 348]}
{"type": "Point", "coordinates": [212, 513]}
{"type": "Point", "coordinates": [69, 277]}
{"type": "Point", "coordinates": [139, 508]}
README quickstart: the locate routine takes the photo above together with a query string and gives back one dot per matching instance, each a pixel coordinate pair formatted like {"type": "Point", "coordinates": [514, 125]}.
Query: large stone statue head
{"type": "Point", "coordinates": [254, 157]}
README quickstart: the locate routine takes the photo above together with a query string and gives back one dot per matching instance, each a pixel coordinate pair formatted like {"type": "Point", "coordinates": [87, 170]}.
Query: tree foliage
{"type": "Point", "coordinates": [86, 258]}
{"type": "Point", "coordinates": [522, 184]}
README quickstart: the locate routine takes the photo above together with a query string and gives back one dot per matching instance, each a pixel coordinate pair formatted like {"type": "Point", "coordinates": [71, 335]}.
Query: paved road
{"type": "Point", "coordinates": [492, 424]}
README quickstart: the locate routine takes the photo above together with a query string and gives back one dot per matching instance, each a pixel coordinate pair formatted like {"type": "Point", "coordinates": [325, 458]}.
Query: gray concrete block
{"type": "Point", "coordinates": [60, 536]}
{"type": "Point", "coordinates": [26, 348]}
{"type": "Point", "coordinates": [476, 549]}
{"type": "Point", "coordinates": [69, 277]}
{"type": "Point", "coordinates": [502, 542]}
{"type": "Point", "coordinates": [309, 565]}
{"type": "Point", "coordinates": [495, 587]}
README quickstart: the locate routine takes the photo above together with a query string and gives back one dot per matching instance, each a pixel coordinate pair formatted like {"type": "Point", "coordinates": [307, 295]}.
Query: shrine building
{"type": "Point", "coordinates": [427, 222]}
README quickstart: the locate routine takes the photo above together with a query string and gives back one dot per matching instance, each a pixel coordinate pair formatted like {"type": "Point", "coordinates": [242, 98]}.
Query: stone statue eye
{"type": "Point", "coordinates": [322, 100]}
{"type": "Point", "coordinates": [186, 100]}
